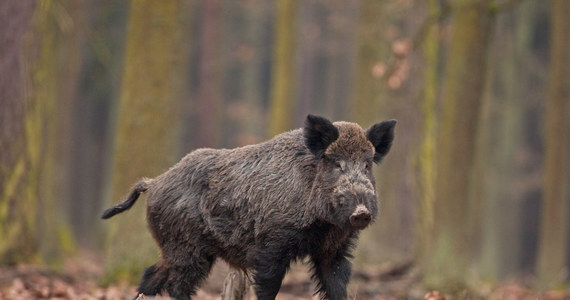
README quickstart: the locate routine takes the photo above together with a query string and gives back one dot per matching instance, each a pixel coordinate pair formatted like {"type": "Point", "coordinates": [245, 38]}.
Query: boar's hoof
{"type": "Point", "coordinates": [360, 218]}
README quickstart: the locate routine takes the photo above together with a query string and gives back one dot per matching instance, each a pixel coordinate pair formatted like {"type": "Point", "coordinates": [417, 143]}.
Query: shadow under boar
{"type": "Point", "coordinates": [304, 193]}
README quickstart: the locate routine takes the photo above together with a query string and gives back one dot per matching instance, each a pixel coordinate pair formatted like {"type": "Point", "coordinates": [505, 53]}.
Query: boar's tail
{"type": "Point", "coordinates": [139, 188]}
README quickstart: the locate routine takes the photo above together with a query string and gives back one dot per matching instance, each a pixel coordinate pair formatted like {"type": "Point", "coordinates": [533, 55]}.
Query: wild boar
{"type": "Point", "coordinates": [305, 193]}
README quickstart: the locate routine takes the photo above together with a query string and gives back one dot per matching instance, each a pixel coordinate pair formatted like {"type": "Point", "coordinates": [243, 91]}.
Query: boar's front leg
{"type": "Point", "coordinates": [269, 269]}
{"type": "Point", "coordinates": [332, 276]}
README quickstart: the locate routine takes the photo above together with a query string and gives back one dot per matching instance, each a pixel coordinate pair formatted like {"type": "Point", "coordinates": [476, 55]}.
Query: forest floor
{"type": "Point", "coordinates": [78, 279]}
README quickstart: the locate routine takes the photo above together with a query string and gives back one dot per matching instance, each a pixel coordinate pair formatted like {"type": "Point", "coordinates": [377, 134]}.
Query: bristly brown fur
{"type": "Point", "coordinates": [261, 206]}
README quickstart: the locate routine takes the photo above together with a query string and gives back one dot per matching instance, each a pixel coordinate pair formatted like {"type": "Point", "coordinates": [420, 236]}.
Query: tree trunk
{"type": "Point", "coordinates": [18, 196]}
{"type": "Point", "coordinates": [341, 22]}
{"type": "Point", "coordinates": [41, 162]}
{"type": "Point", "coordinates": [54, 73]}
{"type": "Point", "coordinates": [502, 246]}
{"type": "Point", "coordinates": [456, 216]}
{"type": "Point", "coordinates": [427, 154]}
{"type": "Point", "coordinates": [98, 87]}
{"type": "Point", "coordinates": [254, 89]}
{"type": "Point", "coordinates": [70, 15]}
{"type": "Point", "coordinates": [147, 124]}
{"type": "Point", "coordinates": [553, 228]}
{"type": "Point", "coordinates": [366, 89]}
{"type": "Point", "coordinates": [209, 98]}
{"type": "Point", "coordinates": [368, 106]}
{"type": "Point", "coordinates": [282, 92]}
{"type": "Point", "coordinates": [307, 47]}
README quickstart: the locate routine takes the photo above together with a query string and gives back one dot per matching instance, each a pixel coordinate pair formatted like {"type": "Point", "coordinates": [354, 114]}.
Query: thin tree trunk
{"type": "Point", "coordinates": [70, 14]}
{"type": "Point", "coordinates": [502, 230]}
{"type": "Point", "coordinates": [98, 87]}
{"type": "Point", "coordinates": [283, 85]}
{"type": "Point", "coordinates": [308, 41]}
{"type": "Point", "coordinates": [427, 155]}
{"type": "Point", "coordinates": [553, 227]}
{"type": "Point", "coordinates": [253, 87]}
{"type": "Point", "coordinates": [340, 53]}
{"type": "Point", "coordinates": [367, 89]}
{"type": "Point", "coordinates": [209, 98]}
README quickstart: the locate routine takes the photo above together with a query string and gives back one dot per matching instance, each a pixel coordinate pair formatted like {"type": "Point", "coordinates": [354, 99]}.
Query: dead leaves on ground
{"type": "Point", "coordinates": [29, 282]}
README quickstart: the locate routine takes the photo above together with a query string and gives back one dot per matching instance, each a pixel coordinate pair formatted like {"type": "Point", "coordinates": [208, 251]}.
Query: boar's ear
{"type": "Point", "coordinates": [319, 133]}
{"type": "Point", "coordinates": [381, 136]}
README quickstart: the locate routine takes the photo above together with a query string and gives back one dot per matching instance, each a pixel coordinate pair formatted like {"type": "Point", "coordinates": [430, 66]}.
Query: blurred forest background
{"type": "Point", "coordinates": [95, 94]}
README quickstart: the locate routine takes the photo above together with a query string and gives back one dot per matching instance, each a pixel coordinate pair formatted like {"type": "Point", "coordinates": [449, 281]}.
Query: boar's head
{"type": "Point", "coordinates": [344, 191]}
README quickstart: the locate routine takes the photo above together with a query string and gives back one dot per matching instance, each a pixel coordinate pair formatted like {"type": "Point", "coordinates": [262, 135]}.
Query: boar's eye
{"type": "Point", "coordinates": [337, 165]}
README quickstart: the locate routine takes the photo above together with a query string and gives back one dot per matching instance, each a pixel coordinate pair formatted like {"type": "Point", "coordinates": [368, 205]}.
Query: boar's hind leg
{"type": "Point", "coordinates": [153, 280]}
{"type": "Point", "coordinates": [332, 276]}
{"type": "Point", "coordinates": [185, 276]}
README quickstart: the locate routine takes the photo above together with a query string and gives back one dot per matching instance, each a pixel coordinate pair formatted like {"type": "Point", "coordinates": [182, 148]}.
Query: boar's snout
{"type": "Point", "coordinates": [360, 218]}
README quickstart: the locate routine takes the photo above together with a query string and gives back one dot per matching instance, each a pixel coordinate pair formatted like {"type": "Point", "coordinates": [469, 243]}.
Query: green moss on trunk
{"type": "Point", "coordinates": [147, 126]}
{"type": "Point", "coordinates": [282, 85]}
{"type": "Point", "coordinates": [456, 217]}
